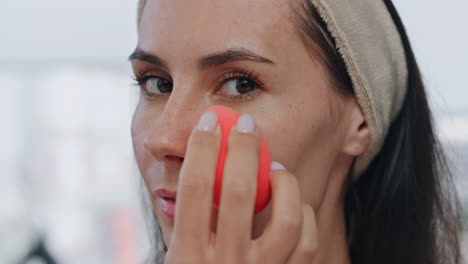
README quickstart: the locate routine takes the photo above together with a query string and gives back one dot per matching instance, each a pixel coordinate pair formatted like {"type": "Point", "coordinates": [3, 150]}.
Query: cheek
{"type": "Point", "coordinates": [280, 138]}
{"type": "Point", "coordinates": [143, 116]}
{"type": "Point", "coordinates": [146, 164]}
{"type": "Point", "coordinates": [292, 134]}
{"type": "Point", "coordinates": [304, 143]}
{"type": "Point", "coordinates": [139, 131]}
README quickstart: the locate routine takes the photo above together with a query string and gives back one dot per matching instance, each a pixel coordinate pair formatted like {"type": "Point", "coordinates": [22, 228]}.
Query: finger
{"type": "Point", "coordinates": [195, 189]}
{"type": "Point", "coordinates": [239, 187]}
{"type": "Point", "coordinates": [306, 249]}
{"type": "Point", "coordinates": [286, 221]}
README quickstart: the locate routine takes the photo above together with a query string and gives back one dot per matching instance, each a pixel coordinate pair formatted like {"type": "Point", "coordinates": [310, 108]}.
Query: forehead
{"type": "Point", "coordinates": [212, 25]}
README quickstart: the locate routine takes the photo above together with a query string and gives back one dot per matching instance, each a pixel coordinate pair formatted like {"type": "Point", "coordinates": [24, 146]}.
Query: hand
{"type": "Point", "coordinates": [289, 237]}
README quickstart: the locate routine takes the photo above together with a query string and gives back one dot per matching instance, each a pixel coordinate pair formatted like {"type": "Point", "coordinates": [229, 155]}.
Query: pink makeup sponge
{"type": "Point", "coordinates": [228, 118]}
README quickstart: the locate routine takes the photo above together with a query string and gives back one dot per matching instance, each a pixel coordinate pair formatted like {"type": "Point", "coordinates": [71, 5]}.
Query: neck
{"type": "Point", "coordinates": [333, 243]}
{"type": "Point", "coordinates": [333, 246]}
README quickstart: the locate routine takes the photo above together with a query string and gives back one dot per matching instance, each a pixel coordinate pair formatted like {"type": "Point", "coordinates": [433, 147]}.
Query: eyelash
{"type": "Point", "coordinates": [232, 75]}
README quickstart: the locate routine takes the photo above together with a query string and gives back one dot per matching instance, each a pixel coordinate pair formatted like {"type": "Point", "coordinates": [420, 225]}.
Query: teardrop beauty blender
{"type": "Point", "coordinates": [228, 118]}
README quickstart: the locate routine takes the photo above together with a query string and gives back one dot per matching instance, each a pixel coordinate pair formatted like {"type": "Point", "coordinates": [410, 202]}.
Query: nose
{"type": "Point", "coordinates": [168, 136]}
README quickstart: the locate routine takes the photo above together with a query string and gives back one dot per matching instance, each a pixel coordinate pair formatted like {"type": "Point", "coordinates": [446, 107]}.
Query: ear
{"type": "Point", "coordinates": [357, 138]}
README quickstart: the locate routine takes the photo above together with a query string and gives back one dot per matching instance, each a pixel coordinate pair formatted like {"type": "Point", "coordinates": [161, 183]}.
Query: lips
{"type": "Point", "coordinates": [167, 200]}
{"type": "Point", "coordinates": [163, 193]}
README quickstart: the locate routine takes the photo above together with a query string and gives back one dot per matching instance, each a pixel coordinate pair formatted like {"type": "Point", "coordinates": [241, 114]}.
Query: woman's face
{"type": "Point", "coordinates": [212, 52]}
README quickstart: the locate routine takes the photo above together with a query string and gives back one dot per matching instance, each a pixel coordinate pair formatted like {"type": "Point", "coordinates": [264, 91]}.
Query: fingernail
{"type": "Point", "coordinates": [277, 166]}
{"type": "Point", "coordinates": [207, 121]}
{"type": "Point", "coordinates": [245, 124]}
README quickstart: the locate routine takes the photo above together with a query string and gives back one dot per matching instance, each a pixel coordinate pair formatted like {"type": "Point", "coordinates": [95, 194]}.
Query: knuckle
{"type": "Point", "coordinates": [185, 256]}
{"type": "Point", "coordinates": [233, 257]}
{"type": "Point", "coordinates": [195, 183]}
{"type": "Point", "coordinates": [309, 247]}
{"type": "Point", "coordinates": [179, 253]}
{"type": "Point", "coordinates": [291, 222]}
{"type": "Point", "coordinates": [259, 254]}
{"type": "Point", "coordinates": [239, 190]}
{"type": "Point", "coordinates": [307, 252]}
{"type": "Point", "coordinates": [211, 256]}
{"type": "Point", "coordinates": [251, 258]}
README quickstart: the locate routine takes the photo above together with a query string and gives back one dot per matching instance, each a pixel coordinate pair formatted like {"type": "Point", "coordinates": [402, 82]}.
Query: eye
{"type": "Point", "coordinates": [239, 86]}
{"type": "Point", "coordinates": [153, 85]}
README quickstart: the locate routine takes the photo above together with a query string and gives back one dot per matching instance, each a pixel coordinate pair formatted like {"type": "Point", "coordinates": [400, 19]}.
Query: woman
{"type": "Point", "coordinates": [334, 88]}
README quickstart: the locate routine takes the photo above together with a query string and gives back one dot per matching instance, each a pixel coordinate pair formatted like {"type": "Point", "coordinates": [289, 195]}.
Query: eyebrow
{"type": "Point", "coordinates": [212, 60]}
{"type": "Point", "coordinates": [139, 54]}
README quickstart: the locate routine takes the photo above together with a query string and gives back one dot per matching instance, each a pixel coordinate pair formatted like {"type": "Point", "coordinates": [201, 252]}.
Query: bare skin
{"type": "Point", "coordinates": [310, 129]}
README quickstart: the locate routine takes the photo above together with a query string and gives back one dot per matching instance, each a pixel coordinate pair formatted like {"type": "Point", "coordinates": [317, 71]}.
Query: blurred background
{"type": "Point", "coordinates": [69, 183]}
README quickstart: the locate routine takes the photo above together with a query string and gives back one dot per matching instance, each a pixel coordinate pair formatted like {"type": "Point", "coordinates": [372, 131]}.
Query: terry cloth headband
{"type": "Point", "coordinates": [368, 41]}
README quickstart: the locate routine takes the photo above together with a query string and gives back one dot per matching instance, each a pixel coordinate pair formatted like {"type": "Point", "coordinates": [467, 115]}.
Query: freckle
{"type": "Point", "coordinates": [300, 146]}
{"type": "Point", "coordinates": [283, 130]}
{"type": "Point", "coordinates": [290, 105]}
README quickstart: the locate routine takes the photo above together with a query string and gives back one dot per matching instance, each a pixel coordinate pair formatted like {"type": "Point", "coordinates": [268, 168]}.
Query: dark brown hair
{"type": "Point", "coordinates": [312, 30]}
{"type": "Point", "coordinates": [404, 207]}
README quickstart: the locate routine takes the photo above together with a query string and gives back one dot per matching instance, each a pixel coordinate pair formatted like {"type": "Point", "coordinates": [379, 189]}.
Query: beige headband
{"type": "Point", "coordinates": [371, 47]}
